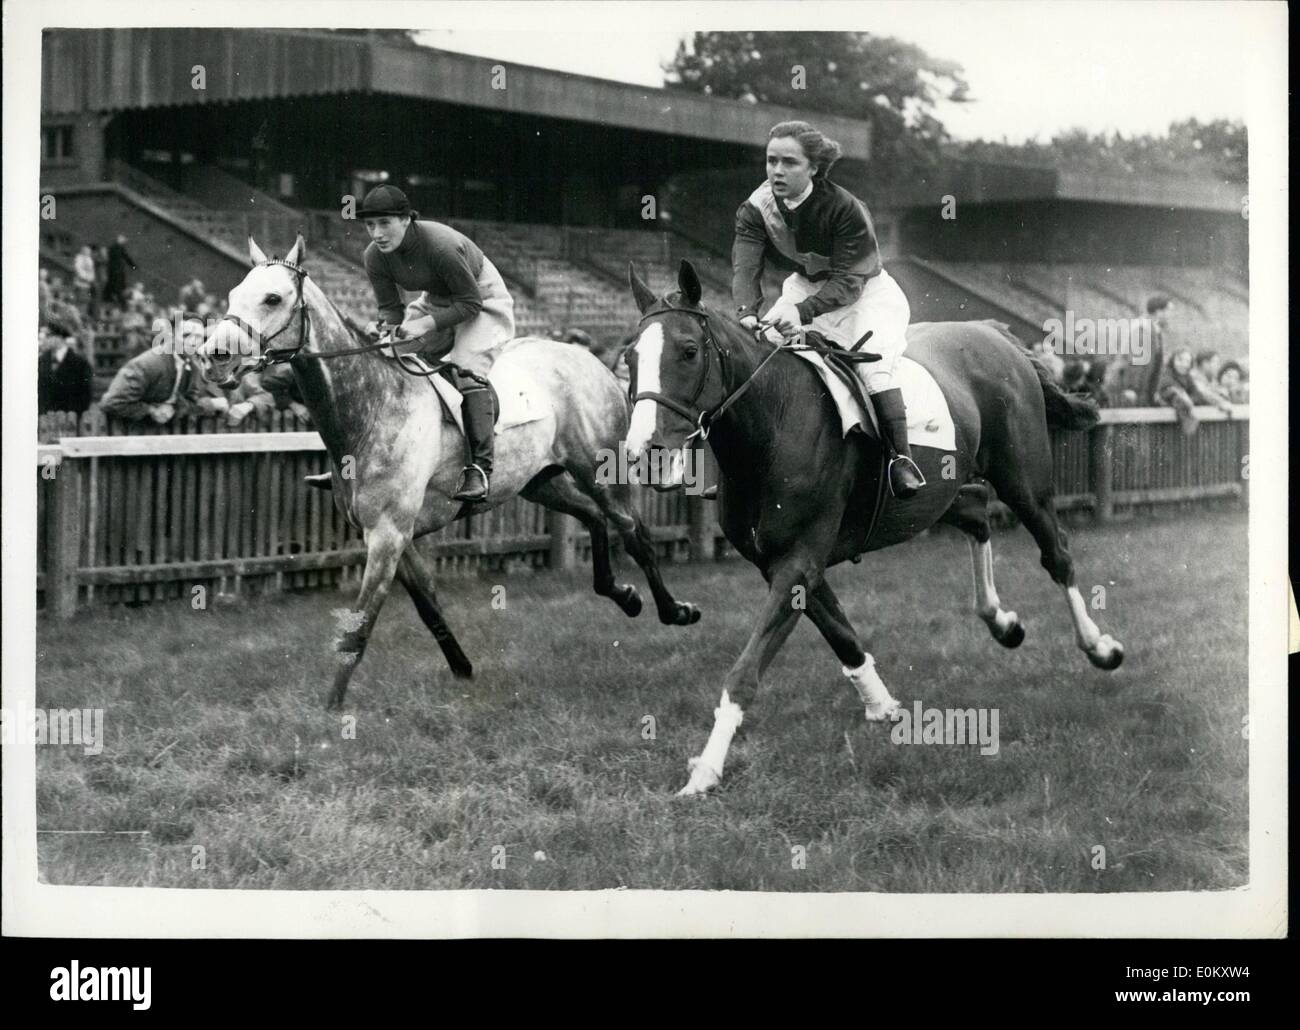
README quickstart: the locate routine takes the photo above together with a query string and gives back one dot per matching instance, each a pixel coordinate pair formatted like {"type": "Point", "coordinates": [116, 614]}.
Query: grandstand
{"type": "Point", "coordinates": [549, 176]}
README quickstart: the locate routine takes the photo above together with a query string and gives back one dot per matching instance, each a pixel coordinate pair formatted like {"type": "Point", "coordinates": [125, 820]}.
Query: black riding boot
{"type": "Point", "coordinates": [480, 419]}
{"type": "Point", "coordinates": [905, 479]}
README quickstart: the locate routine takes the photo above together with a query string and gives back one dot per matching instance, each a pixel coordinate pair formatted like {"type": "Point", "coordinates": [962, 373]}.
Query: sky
{"type": "Point", "coordinates": [1034, 68]}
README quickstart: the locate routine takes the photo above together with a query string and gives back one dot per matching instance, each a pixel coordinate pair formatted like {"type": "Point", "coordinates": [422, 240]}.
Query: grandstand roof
{"type": "Point", "coordinates": [987, 182]}
{"type": "Point", "coordinates": [118, 69]}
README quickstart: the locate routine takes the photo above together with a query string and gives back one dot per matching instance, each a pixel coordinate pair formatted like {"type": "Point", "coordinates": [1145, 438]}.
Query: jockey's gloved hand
{"type": "Point", "coordinates": [784, 317]}
{"type": "Point", "coordinates": [376, 330]}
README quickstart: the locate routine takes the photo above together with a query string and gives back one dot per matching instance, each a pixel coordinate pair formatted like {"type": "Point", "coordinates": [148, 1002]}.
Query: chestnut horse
{"type": "Point", "coordinates": [797, 495]}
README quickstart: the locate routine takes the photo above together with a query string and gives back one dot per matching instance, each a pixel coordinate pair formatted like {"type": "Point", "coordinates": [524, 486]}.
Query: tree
{"type": "Point", "coordinates": [1191, 149]}
{"type": "Point", "coordinates": [889, 83]}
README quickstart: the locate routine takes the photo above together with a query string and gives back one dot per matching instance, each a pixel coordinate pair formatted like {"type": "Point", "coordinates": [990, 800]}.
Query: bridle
{"type": "Point", "coordinates": [270, 356]}
{"type": "Point", "coordinates": [703, 418]}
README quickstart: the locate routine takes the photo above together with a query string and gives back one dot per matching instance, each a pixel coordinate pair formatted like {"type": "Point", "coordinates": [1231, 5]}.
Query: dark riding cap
{"type": "Point", "coordinates": [385, 200]}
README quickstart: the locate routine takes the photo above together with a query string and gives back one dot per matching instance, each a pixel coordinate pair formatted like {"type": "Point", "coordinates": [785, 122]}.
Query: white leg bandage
{"type": "Point", "coordinates": [880, 704]}
{"type": "Point", "coordinates": [706, 770]}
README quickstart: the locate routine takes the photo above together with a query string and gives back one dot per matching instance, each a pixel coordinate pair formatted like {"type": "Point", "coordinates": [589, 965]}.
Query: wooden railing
{"type": "Point", "coordinates": [149, 517]}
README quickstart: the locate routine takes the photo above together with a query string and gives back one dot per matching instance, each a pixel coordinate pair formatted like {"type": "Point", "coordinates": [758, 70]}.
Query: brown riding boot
{"type": "Point", "coordinates": [480, 426]}
{"type": "Point", "coordinates": [905, 479]}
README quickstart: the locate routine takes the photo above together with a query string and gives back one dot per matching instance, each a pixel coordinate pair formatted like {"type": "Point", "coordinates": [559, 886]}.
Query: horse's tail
{"type": "Point", "coordinates": [1064, 410]}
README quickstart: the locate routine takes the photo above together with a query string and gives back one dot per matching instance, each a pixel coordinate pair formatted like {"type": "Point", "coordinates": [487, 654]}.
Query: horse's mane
{"type": "Point", "coordinates": [354, 330]}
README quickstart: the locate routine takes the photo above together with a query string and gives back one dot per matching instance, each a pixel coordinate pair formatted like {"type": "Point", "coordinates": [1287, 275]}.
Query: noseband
{"type": "Point", "coordinates": [275, 357]}
{"type": "Point", "coordinates": [703, 419]}
{"type": "Point", "coordinates": [267, 356]}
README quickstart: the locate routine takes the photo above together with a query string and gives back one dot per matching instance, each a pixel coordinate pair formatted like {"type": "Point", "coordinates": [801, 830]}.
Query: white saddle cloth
{"type": "Point", "coordinates": [520, 400]}
{"type": "Point", "coordinates": [929, 422]}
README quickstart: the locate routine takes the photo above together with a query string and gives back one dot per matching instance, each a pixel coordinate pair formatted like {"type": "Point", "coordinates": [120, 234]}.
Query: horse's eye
{"type": "Point", "coordinates": [272, 299]}
{"type": "Point", "coordinates": [689, 352]}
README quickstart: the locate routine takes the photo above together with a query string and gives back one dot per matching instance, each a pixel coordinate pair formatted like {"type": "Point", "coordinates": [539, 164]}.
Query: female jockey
{"type": "Point", "coordinates": [461, 291]}
{"type": "Point", "coordinates": [841, 288]}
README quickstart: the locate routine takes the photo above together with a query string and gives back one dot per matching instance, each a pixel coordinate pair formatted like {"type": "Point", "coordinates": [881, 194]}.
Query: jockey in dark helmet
{"type": "Point", "coordinates": [464, 313]}
{"type": "Point", "coordinates": [841, 289]}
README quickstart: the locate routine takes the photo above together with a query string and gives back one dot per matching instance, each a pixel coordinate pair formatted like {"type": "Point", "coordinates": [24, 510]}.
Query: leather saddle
{"type": "Point", "coordinates": [846, 368]}
{"type": "Point", "coordinates": [416, 364]}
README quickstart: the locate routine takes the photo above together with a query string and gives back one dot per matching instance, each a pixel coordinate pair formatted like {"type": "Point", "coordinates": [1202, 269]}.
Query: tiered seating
{"type": "Point", "coordinates": [1211, 309]}
{"type": "Point", "coordinates": [993, 282]}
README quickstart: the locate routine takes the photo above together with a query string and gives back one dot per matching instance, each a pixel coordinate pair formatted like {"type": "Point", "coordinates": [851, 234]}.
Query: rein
{"type": "Point", "coordinates": [276, 357]}
{"type": "Point", "coordinates": [705, 418]}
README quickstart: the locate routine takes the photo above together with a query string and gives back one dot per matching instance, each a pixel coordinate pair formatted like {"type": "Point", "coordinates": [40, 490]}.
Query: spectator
{"type": "Point", "coordinates": [100, 254]}
{"type": "Point", "coordinates": [1094, 381]}
{"type": "Point", "coordinates": [1233, 383]}
{"type": "Point", "coordinates": [84, 284]}
{"type": "Point", "coordinates": [1074, 377]}
{"type": "Point", "coordinates": [1205, 376]}
{"type": "Point", "coordinates": [191, 295]}
{"type": "Point", "coordinates": [1054, 362]}
{"type": "Point", "coordinates": [63, 376]}
{"type": "Point", "coordinates": [46, 294]}
{"type": "Point", "coordinates": [118, 262]}
{"type": "Point", "coordinates": [615, 358]}
{"type": "Point", "coordinates": [1131, 378]}
{"type": "Point", "coordinates": [161, 383]}
{"type": "Point", "coordinates": [274, 389]}
{"type": "Point", "coordinates": [1176, 389]}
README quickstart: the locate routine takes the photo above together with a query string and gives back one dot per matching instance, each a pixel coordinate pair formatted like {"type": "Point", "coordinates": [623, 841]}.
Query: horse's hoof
{"type": "Point", "coordinates": [1013, 637]}
{"type": "Point", "coordinates": [463, 672]}
{"type": "Point", "coordinates": [1107, 655]}
{"type": "Point", "coordinates": [685, 614]}
{"type": "Point", "coordinates": [703, 779]}
{"type": "Point", "coordinates": [884, 711]}
{"type": "Point", "coordinates": [628, 599]}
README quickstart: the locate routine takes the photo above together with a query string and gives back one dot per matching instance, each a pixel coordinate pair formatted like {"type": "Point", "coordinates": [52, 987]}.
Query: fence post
{"type": "Point", "coordinates": [65, 539]}
{"type": "Point", "coordinates": [560, 528]}
{"type": "Point", "coordinates": [701, 539]}
{"type": "Point", "coordinates": [701, 529]}
{"type": "Point", "coordinates": [1101, 468]}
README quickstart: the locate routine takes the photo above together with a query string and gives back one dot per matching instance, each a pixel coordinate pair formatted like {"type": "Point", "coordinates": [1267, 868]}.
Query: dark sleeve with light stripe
{"type": "Point", "coordinates": [855, 257]}
{"type": "Point", "coordinates": [747, 260]}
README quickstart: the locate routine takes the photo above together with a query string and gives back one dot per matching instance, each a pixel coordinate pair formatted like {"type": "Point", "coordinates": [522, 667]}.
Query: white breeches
{"type": "Point", "coordinates": [882, 309]}
{"type": "Point", "coordinates": [479, 338]}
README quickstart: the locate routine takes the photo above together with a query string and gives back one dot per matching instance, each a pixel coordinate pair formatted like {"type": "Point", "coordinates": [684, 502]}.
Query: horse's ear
{"type": "Point", "coordinates": [689, 283]}
{"type": "Point", "coordinates": [644, 296]}
{"type": "Point", "coordinates": [299, 251]}
{"type": "Point", "coordinates": [255, 255]}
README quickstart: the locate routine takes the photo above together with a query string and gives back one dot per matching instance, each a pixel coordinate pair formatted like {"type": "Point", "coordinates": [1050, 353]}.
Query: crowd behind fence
{"type": "Point", "coordinates": [152, 516]}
